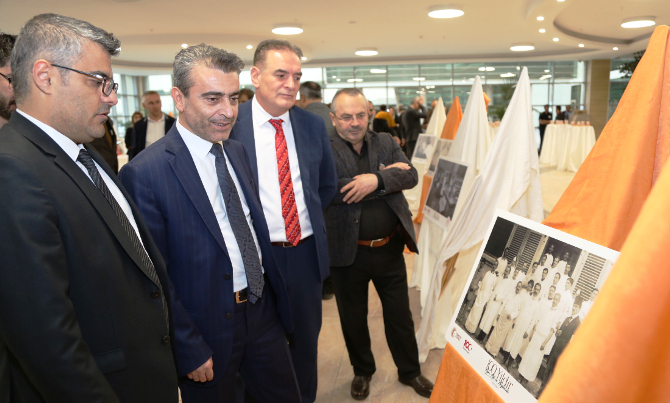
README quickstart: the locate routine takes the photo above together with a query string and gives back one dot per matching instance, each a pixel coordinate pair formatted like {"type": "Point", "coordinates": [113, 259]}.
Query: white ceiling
{"type": "Point", "coordinates": [152, 31]}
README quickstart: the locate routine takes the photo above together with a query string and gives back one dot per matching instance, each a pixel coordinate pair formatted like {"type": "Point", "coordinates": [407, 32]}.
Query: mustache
{"type": "Point", "coordinates": [221, 121]}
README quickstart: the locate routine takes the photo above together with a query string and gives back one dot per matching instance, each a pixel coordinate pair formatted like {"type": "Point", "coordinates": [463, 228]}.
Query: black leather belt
{"type": "Point", "coordinates": [241, 296]}
{"type": "Point", "coordinates": [289, 244]}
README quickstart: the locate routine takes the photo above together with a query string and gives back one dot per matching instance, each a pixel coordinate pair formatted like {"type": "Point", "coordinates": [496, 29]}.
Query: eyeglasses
{"type": "Point", "coordinates": [108, 84]}
{"type": "Point", "coordinates": [7, 77]}
{"type": "Point", "coordinates": [349, 118]}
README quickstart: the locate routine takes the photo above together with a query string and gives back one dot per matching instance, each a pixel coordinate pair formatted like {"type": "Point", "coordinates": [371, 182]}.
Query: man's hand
{"type": "Point", "coordinates": [361, 186]}
{"type": "Point", "coordinates": [204, 373]}
{"type": "Point", "coordinates": [525, 335]}
{"type": "Point", "coordinates": [402, 165]}
{"type": "Point", "coordinates": [542, 347]}
{"type": "Point", "coordinates": [402, 142]}
{"type": "Point", "coordinates": [559, 333]}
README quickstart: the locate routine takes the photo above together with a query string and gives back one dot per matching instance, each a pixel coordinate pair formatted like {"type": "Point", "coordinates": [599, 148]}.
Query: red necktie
{"type": "Point", "coordinates": [289, 210]}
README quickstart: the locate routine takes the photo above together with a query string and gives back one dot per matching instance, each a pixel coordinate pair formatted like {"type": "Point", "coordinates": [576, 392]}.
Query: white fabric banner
{"type": "Point", "coordinates": [434, 128]}
{"type": "Point", "coordinates": [469, 146]}
{"type": "Point", "coordinates": [509, 180]}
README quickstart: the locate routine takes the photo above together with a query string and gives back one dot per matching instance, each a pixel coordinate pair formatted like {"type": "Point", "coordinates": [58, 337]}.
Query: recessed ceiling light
{"type": "Point", "coordinates": [184, 45]}
{"type": "Point", "coordinates": [638, 22]}
{"type": "Point", "coordinates": [445, 11]}
{"type": "Point", "coordinates": [543, 30]}
{"type": "Point", "coordinates": [334, 76]}
{"type": "Point", "coordinates": [487, 69]}
{"type": "Point", "coordinates": [367, 52]}
{"type": "Point", "coordinates": [615, 48]}
{"type": "Point", "coordinates": [546, 71]}
{"type": "Point", "coordinates": [540, 18]}
{"type": "Point", "coordinates": [522, 47]}
{"type": "Point", "coordinates": [303, 58]}
{"type": "Point", "coordinates": [337, 79]}
{"type": "Point", "coordinates": [560, 1]}
{"type": "Point", "coordinates": [418, 78]}
{"type": "Point", "coordinates": [507, 75]}
{"type": "Point", "coordinates": [555, 39]}
{"type": "Point", "coordinates": [354, 80]}
{"type": "Point", "coordinates": [581, 45]}
{"type": "Point", "coordinates": [250, 47]}
{"type": "Point", "coordinates": [287, 29]}
{"type": "Point", "coordinates": [377, 71]}
{"type": "Point", "coordinates": [518, 68]}
{"type": "Point", "coordinates": [544, 77]}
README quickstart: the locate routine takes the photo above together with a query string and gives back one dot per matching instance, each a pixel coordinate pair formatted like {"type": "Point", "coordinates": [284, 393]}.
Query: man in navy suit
{"type": "Point", "coordinates": [196, 191]}
{"type": "Point", "coordinates": [292, 162]}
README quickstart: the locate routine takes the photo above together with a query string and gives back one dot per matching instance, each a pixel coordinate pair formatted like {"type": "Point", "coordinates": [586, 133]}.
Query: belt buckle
{"type": "Point", "coordinates": [287, 244]}
{"type": "Point", "coordinates": [237, 298]}
{"type": "Point", "coordinates": [375, 240]}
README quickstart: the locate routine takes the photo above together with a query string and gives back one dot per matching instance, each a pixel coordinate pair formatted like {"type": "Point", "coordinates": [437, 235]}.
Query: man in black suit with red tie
{"type": "Point", "coordinates": [84, 291]}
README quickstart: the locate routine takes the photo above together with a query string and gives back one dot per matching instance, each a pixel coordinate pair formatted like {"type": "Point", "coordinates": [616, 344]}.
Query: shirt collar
{"type": "Point", "coordinates": [196, 145]}
{"type": "Point", "coordinates": [162, 119]}
{"type": "Point", "coordinates": [70, 147]}
{"type": "Point", "coordinates": [261, 117]}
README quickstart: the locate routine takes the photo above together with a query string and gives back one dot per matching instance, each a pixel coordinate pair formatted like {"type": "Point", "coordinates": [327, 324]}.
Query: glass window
{"type": "Point", "coordinates": [464, 73]}
{"type": "Point", "coordinates": [339, 77]}
{"type": "Point", "coordinates": [404, 75]}
{"type": "Point", "coordinates": [371, 74]}
{"type": "Point", "coordinates": [539, 94]}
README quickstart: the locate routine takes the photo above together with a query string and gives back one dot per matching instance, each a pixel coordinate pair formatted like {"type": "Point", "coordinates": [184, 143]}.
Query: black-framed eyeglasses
{"type": "Point", "coordinates": [108, 84]}
{"type": "Point", "coordinates": [349, 118]}
{"type": "Point", "coordinates": [9, 78]}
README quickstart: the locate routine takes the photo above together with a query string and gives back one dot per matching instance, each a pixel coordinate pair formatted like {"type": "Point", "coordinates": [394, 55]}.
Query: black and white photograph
{"type": "Point", "coordinates": [529, 291]}
{"type": "Point", "coordinates": [444, 191]}
{"type": "Point", "coordinates": [441, 150]}
{"type": "Point", "coordinates": [424, 148]}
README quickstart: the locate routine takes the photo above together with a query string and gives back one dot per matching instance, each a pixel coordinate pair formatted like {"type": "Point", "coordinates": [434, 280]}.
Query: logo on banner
{"type": "Point", "coordinates": [498, 375]}
{"type": "Point", "coordinates": [455, 334]}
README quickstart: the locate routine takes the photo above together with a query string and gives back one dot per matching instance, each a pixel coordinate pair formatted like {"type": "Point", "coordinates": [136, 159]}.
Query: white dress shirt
{"type": "Point", "coordinates": [155, 130]}
{"type": "Point", "coordinates": [72, 150]}
{"type": "Point", "coordinates": [206, 167]}
{"type": "Point", "coordinates": [268, 174]}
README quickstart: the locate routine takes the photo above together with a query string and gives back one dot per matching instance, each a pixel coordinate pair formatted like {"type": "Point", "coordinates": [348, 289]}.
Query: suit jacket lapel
{"type": "Point", "coordinates": [301, 138]}
{"type": "Point", "coordinates": [184, 168]}
{"type": "Point", "coordinates": [110, 216]}
{"type": "Point", "coordinates": [373, 151]}
{"type": "Point", "coordinates": [345, 154]}
{"type": "Point", "coordinates": [244, 130]}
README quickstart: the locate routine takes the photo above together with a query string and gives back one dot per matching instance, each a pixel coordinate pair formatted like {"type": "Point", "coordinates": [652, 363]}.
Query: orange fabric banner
{"type": "Point", "coordinates": [620, 353]}
{"type": "Point", "coordinates": [607, 193]}
{"type": "Point", "coordinates": [427, 180]}
{"type": "Point", "coordinates": [453, 120]}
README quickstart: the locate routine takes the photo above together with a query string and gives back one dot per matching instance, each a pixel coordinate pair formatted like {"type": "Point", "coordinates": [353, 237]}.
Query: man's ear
{"type": "Point", "coordinates": [255, 74]}
{"type": "Point", "coordinates": [179, 99]}
{"type": "Point", "coordinates": [43, 74]}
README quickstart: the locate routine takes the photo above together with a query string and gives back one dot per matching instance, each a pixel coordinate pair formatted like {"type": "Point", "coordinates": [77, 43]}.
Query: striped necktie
{"type": "Point", "coordinates": [289, 210]}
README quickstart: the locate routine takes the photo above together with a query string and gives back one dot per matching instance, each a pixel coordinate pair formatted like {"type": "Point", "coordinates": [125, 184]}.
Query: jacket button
{"type": "Point", "coordinates": [229, 315]}
{"type": "Point", "coordinates": [355, 220]}
{"type": "Point", "coordinates": [226, 276]}
{"type": "Point", "coordinates": [155, 294]}
{"type": "Point", "coordinates": [166, 339]}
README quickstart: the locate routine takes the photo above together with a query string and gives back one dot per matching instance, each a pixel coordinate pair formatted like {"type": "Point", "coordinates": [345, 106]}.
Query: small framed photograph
{"type": "Point", "coordinates": [444, 191]}
{"type": "Point", "coordinates": [527, 294]}
{"type": "Point", "coordinates": [441, 150]}
{"type": "Point", "coordinates": [424, 148]}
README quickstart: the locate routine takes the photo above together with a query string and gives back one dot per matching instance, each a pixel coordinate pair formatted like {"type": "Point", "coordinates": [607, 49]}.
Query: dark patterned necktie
{"type": "Point", "coordinates": [86, 160]}
{"type": "Point", "coordinates": [240, 226]}
{"type": "Point", "coordinates": [289, 209]}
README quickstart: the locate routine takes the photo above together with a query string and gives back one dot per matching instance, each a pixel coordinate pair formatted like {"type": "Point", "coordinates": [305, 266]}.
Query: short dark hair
{"type": "Point", "coordinates": [382, 107]}
{"type": "Point", "coordinates": [352, 92]}
{"type": "Point", "coordinates": [59, 40]}
{"type": "Point", "coordinates": [206, 55]}
{"type": "Point", "coordinates": [310, 90]}
{"type": "Point", "coordinates": [246, 91]}
{"type": "Point", "coordinates": [273, 44]}
{"type": "Point", "coordinates": [6, 45]}
{"type": "Point", "coordinates": [150, 92]}
{"type": "Point", "coordinates": [558, 107]}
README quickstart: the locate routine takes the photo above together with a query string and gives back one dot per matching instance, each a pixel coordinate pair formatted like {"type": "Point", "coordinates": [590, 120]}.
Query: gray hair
{"type": "Point", "coordinates": [206, 55]}
{"type": "Point", "coordinates": [352, 92]}
{"type": "Point", "coordinates": [273, 44]}
{"type": "Point", "coordinates": [6, 46]}
{"type": "Point", "coordinates": [310, 90]}
{"type": "Point", "coordinates": [57, 39]}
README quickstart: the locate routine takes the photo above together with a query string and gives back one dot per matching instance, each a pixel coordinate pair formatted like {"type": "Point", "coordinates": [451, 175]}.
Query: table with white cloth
{"type": "Point", "coordinates": [567, 146]}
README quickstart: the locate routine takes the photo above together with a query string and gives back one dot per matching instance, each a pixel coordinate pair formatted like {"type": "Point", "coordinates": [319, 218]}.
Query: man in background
{"type": "Point", "coordinates": [106, 146]}
{"type": "Point", "coordinates": [546, 118]}
{"type": "Point", "coordinates": [148, 130]}
{"type": "Point", "coordinates": [245, 95]}
{"type": "Point", "coordinates": [311, 99]}
{"type": "Point", "coordinates": [411, 121]}
{"type": "Point", "coordinates": [7, 102]}
{"type": "Point", "coordinates": [292, 163]}
{"type": "Point", "coordinates": [369, 225]}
